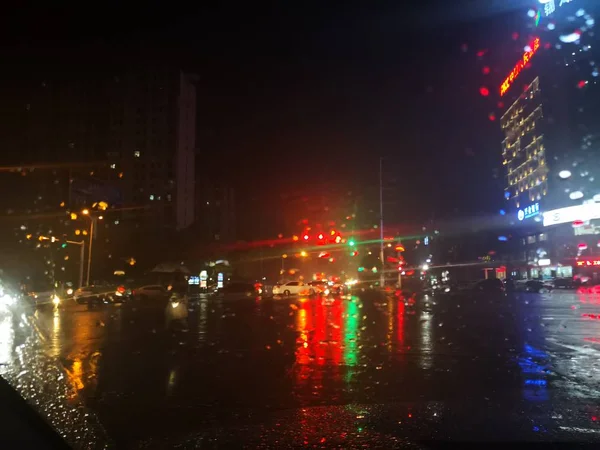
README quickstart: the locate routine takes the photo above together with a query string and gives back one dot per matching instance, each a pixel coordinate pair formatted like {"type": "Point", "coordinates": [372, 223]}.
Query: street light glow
{"type": "Point", "coordinates": [85, 212]}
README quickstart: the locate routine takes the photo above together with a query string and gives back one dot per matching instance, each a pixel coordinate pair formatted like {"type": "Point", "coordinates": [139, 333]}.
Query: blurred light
{"type": "Point", "coordinates": [64, 245]}
{"type": "Point", "coordinates": [303, 254]}
{"type": "Point", "coordinates": [73, 216]}
{"type": "Point", "coordinates": [284, 255]}
{"type": "Point", "coordinates": [374, 269]}
{"type": "Point", "coordinates": [399, 248]}
{"type": "Point", "coordinates": [338, 239]}
{"type": "Point", "coordinates": [306, 237]}
{"type": "Point", "coordinates": [55, 299]}
{"type": "Point", "coordinates": [100, 217]}
{"type": "Point", "coordinates": [351, 243]}
{"type": "Point", "coordinates": [502, 212]}
{"type": "Point", "coordinates": [77, 232]}
{"type": "Point", "coordinates": [564, 174]}
{"type": "Point", "coordinates": [582, 246]}
{"type": "Point", "coordinates": [332, 233]}
{"type": "Point", "coordinates": [425, 267]}
{"type": "Point", "coordinates": [576, 195]}
{"type": "Point", "coordinates": [362, 269]}
{"type": "Point", "coordinates": [85, 212]}
{"type": "Point", "coordinates": [28, 236]}
{"type": "Point", "coordinates": [294, 238]}
{"type": "Point", "coordinates": [502, 238]}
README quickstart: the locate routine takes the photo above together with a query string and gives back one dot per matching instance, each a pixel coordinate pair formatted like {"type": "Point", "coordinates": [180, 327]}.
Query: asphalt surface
{"type": "Point", "coordinates": [284, 371]}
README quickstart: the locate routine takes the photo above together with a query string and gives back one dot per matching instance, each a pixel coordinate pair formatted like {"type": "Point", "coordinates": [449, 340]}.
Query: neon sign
{"type": "Point", "coordinates": [588, 263]}
{"type": "Point", "coordinates": [530, 211]}
{"type": "Point", "coordinates": [534, 46]}
{"type": "Point", "coordinates": [575, 214]}
{"type": "Point", "coordinates": [550, 5]}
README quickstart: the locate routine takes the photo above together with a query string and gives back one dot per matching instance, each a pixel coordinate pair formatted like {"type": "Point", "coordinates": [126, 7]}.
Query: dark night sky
{"type": "Point", "coordinates": [323, 88]}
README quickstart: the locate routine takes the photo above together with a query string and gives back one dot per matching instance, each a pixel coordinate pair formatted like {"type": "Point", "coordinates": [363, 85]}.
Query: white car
{"type": "Point", "coordinates": [293, 288]}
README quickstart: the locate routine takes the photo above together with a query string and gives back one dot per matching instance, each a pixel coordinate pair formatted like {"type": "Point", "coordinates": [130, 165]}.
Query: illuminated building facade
{"type": "Point", "coordinates": [551, 146]}
{"type": "Point", "coordinates": [523, 150]}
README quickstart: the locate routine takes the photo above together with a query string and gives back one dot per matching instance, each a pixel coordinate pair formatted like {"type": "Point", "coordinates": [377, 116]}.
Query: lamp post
{"type": "Point", "coordinates": [81, 259]}
{"type": "Point", "coordinates": [86, 212]}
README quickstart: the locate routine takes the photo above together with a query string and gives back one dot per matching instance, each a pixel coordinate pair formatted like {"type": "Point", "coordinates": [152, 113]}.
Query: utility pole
{"type": "Point", "coordinates": [91, 239]}
{"type": "Point", "coordinates": [381, 256]}
{"type": "Point", "coordinates": [81, 259]}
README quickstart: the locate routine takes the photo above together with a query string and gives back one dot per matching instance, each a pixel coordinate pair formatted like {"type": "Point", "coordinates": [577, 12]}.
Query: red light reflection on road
{"type": "Point", "coordinates": [400, 323]}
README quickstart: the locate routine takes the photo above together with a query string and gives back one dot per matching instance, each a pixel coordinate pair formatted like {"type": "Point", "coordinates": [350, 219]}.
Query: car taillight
{"type": "Point", "coordinates": [121, 289]}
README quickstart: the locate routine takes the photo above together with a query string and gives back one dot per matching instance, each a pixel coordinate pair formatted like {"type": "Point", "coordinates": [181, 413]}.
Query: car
{"type": "Point", "coordinates": [537, 286]}
{"type": "Point", "coordinates": [41, 298]}
{"type": "Point", "coordinates": [490, 285]}
{"type": "Point", "coordinates": [319, 286]}
{"type": "Point", "coordinates": [564, 283]}
{"type": "Point", "coordinates": [151, 292]}
{"type": "Point", "coordinates": [293, 288]}
{"type": "Point", "coordinates": [94, 294]}
{"type": "Point", "coordinates": [238, 290]}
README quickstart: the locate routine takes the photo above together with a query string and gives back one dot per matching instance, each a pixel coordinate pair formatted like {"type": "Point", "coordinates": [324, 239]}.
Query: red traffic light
{"type": "Point", "coordinates": [306, 237]}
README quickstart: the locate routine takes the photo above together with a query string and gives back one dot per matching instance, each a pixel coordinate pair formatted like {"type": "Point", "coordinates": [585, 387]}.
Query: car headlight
{"type": "Point", "coordinates": [7, 300]}
{"type": "Point", "coordinates": [69, 291]}
{"type": "Point", "coordinates": [56, 299]}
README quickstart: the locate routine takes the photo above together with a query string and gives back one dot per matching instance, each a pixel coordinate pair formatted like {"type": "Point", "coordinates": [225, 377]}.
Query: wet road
{"type": "Point", "coordinates": [250, 360]}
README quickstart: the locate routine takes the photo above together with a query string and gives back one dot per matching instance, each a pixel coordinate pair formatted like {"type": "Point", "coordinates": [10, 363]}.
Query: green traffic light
{"type": "Point", "coordinates": [64, 245]}
{"type": "Point", "coordinates": [351, 243]}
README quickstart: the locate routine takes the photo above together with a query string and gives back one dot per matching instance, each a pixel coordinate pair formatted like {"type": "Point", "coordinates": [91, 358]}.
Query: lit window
{"type": "Point", "coordinates": [113, 166]}
{"type": "Point", "coordinates": [136, 153]}
{"type": "Point", "coordinates": [151, 197]}
{"type": "Point", "coordinates": [543, 237]}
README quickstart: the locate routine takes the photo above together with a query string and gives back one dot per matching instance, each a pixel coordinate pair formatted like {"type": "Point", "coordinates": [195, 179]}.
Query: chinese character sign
{"type": "Point", "coordinates": [529, 211]}
{"type": "Point", "coordinates": [550, 5]}
{"type": "Point", "coordinates": [533, 48]}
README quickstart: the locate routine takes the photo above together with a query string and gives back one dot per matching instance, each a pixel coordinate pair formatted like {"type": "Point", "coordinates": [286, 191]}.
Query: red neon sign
{"type": "Point", "coordinates": [535, 45]}
{"type": "Point", "coordinates": [588, 263]}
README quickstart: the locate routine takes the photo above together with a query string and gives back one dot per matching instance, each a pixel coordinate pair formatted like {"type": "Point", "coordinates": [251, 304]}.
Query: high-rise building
{"type": "Point", "coordinates": [523, 151]}
{"type": "Point", "coordinates": [215, 212]}
{"type": "Point", "coordinates": [551, 145]}
{"type": "Point", "coordinates": [153, 143]}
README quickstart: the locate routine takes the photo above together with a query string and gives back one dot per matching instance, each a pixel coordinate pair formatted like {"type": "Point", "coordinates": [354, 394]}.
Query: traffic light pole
{"type": "Point", "coordinates": [381, 256]}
